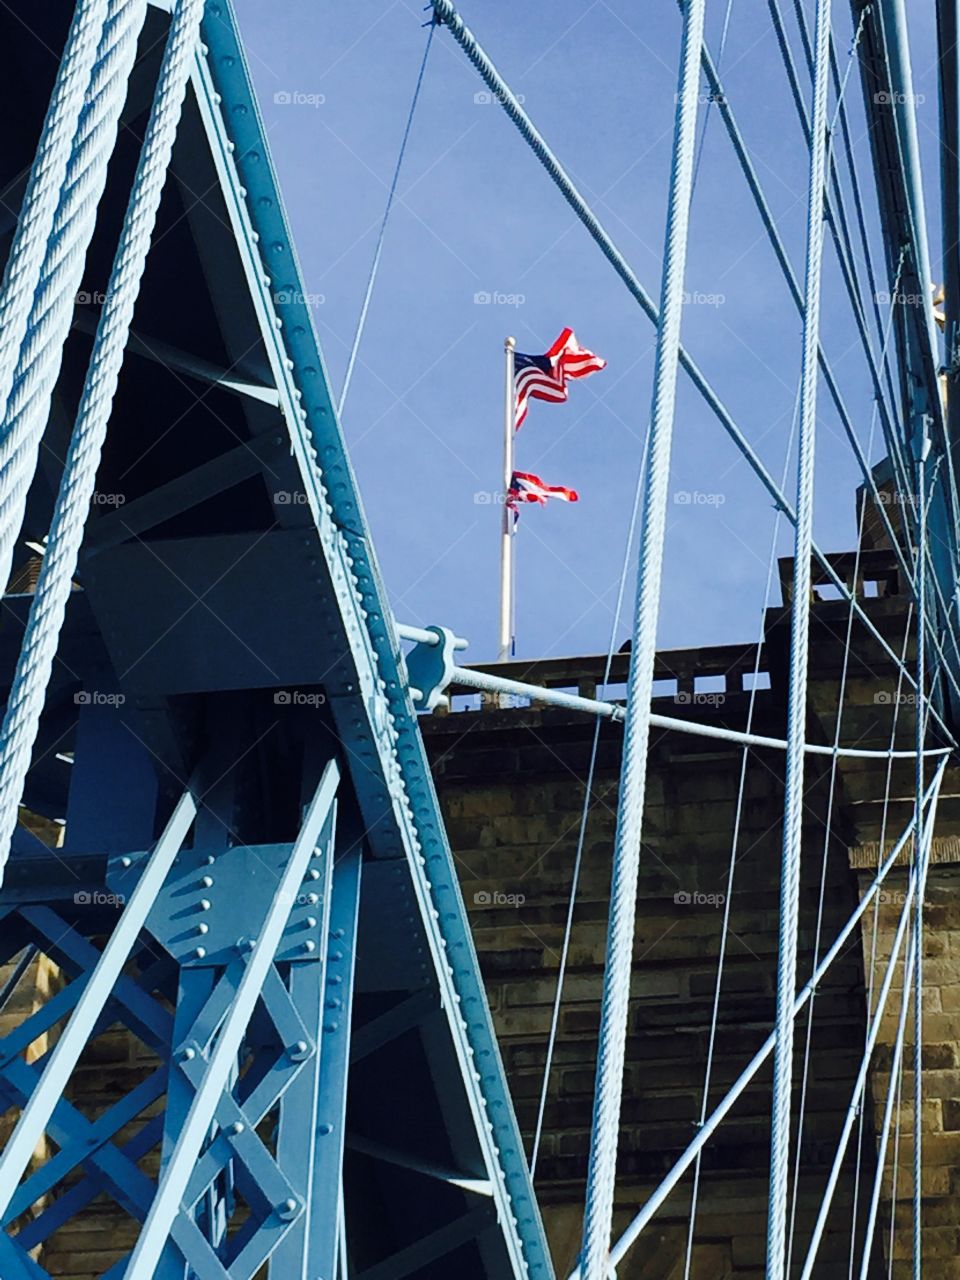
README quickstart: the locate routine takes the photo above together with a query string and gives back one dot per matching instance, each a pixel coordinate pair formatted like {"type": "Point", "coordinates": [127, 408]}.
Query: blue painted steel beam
{"type": "Point", "coordinates": [376, 725]}
{"type": "Point", "coordinates": [297, 1130]}
{"type": "Point", "coordinates": [323, 1241]}
{"type": "Point", "coordinates": [33, 1120]}
{"type": "Point", "coordinates": [175, 1178]}
{"type": "Point", "coordinates": [392, 745]}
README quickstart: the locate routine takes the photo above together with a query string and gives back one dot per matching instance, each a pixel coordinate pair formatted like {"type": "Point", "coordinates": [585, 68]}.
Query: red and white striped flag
{"type": "Point", "coordinates": [545, 377]}
{"type": "Point", "coordinates": [525, 487]}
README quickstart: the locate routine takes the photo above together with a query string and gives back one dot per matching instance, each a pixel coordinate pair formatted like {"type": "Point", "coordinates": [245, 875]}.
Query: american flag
{"type": "Point", "coordinates": [525, 487]}
{"type": "Point", "coordinates": [545, 377]}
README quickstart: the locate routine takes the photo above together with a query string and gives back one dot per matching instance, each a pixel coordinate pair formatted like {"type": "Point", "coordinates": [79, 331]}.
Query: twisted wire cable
{"type": "Point", "coordinates": [799, 655]}
{"type": "Point", "coordinates": [871, 972]}
{"type": "Point", "coordinates": [79, 476]}
{"type": "Point", "coordinates": [582, 828]}
{"type": "Point", "coordinates": [51, 312]}
{"type": "Point", "coordinates": [895, 1081]}
{"type": "Point", "coordinates": [732, 864]}
{"type": "Point", "coordinates": [827, 837]}
{"type": "Point", "coordinates": [601, 1173]}
{"type": "Point", "coordinates": [669, 1182]}
{"type": "Point", "coordinates": [839, 221]}
{"type": "Point", "coordinates": [893, 1091]}
{"type": "Point", "coordinates": [916, 888]}
{"type": "Point", "coordinates": [921, 449]}
{"type": "Point", "coordinates": [45, 182]}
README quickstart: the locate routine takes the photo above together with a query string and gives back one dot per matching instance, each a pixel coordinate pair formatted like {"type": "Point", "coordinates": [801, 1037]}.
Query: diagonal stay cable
{"type": "Point", "coordinates": [890, 436]}
{"type": "Point", "coordinates": [718, 95]}
{"type": "Point", "coordinates": [658, 1197]}
{"type": "Point", "coordinates": [894, 1090]}
{"type": "Point", "coordinates": [915, 889]}
{"type": "Point", "coordinates": [839, 227]}
{"type": "Point", "coordinates": [875, 928]}
{"type": "Point", "coordinates": [721, 49]}
{"type": "Point", "coordinates": [893, 442]}
{"type": "Point", "coordinates": [375, 264]}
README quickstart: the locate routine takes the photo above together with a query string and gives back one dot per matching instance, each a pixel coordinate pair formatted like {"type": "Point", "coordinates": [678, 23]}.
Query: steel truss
{"type": "Point", "coordinates": [254, 889]}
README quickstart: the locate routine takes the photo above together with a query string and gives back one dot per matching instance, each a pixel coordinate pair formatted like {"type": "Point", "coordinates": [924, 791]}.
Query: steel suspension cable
{"type": "Point", "coordinates": [582, 830]}
{"type": "Point", "coordinates": [895, 1174]}
{"type": "Point", "coordinates": [718, 95]}
{"type": "Point", "coordinates": [731, 869]}
{"type": "Point", "coordinates": [845, 419]}
{"type": "Point", "coordinates": [893, 1092]}
{"type": "Point", "coordinates": [915, 889]}
{"type": "Point", "coordinates": [890, 436]}
{"type": "Point", "coordinates": [839, 226]}
{"type": "Point", "coordinates": [894, 443]}
{"type": "Point", "coordinates": [799, 659]}
{"type": "Point", "coordinates": [921, 450]}
{"type": "Point", "coordinates": [875, 923]}
{"type": "Point", "coordinates": [821, 899]}
{"type": "Point", "coordinates": [736, 1090]}
{"type": "Point", "coordinates": [501, 91]}
{"type": "Point", "coordinates": [35, 222]}
{"type": "Point", "coordinates": [834, 764]}
{"type": "Point", "coordinates": [78, 482]}
{"type": "Point", "coordinates": [375, 264]}
{"type": "Point", "coordinates": [51, 312]}
{"type": "Point", "coordinates": [894, 18]}
{"type": "Point", "coordinates": [896, 1068]}
{"type": "Point", "coordinates": [724, 32]}
{"type": "Point", "coordinates": [614, 1012]}
{"type": "Point", "coordinates": [853, 288]}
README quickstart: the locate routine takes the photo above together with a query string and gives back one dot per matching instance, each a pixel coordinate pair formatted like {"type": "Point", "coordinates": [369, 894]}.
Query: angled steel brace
{"type": "Point", "coordinates": [324, 1223]}
{"type": "Point", "coordinates": [188, 491]}
{"type": "Point", "coordinates": [175, 1178]}
{"type": "Point", "coordinates": [377, 1151]}
{"type": "Point", "coordinates": [437, 1245]}
{"type": "Point", "coordinates": [33, 1121]}
{"type": "Point", "coordinates": [171, 357]}
{"type": "Point", "coordinates": [376, 720]}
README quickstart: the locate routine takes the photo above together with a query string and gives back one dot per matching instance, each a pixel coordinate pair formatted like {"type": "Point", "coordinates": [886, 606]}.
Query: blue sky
{"type": "Point", "coordinates": [476, 215]}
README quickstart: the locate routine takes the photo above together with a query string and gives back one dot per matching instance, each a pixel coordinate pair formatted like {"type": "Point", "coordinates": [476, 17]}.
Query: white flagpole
{"type": "Point", "coordinates": [506, 528]}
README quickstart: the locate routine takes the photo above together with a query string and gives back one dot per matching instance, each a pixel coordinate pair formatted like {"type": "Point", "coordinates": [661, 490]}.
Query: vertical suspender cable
{"type": "Point", "coordinates": [657, 1198]}
{"type": "Point", "coordinates": [582, 831]}
{"type": "Point", "coordinates": [51, 312]}
{"type": "Point", "coordinates": [799, 643]}
{"type": "Point", "coordinates": [601, 1172]}
{"type": "Point", "coordinates": [894, 1084]}
{"type": "Point", "coordinates": [40, 200]}
{"type": "Point", "coordinates": [921, 447]}
{"type": "Point", "coordinates": [915, 888]}
{"type": "Point", "coordinates": [80, 471]}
